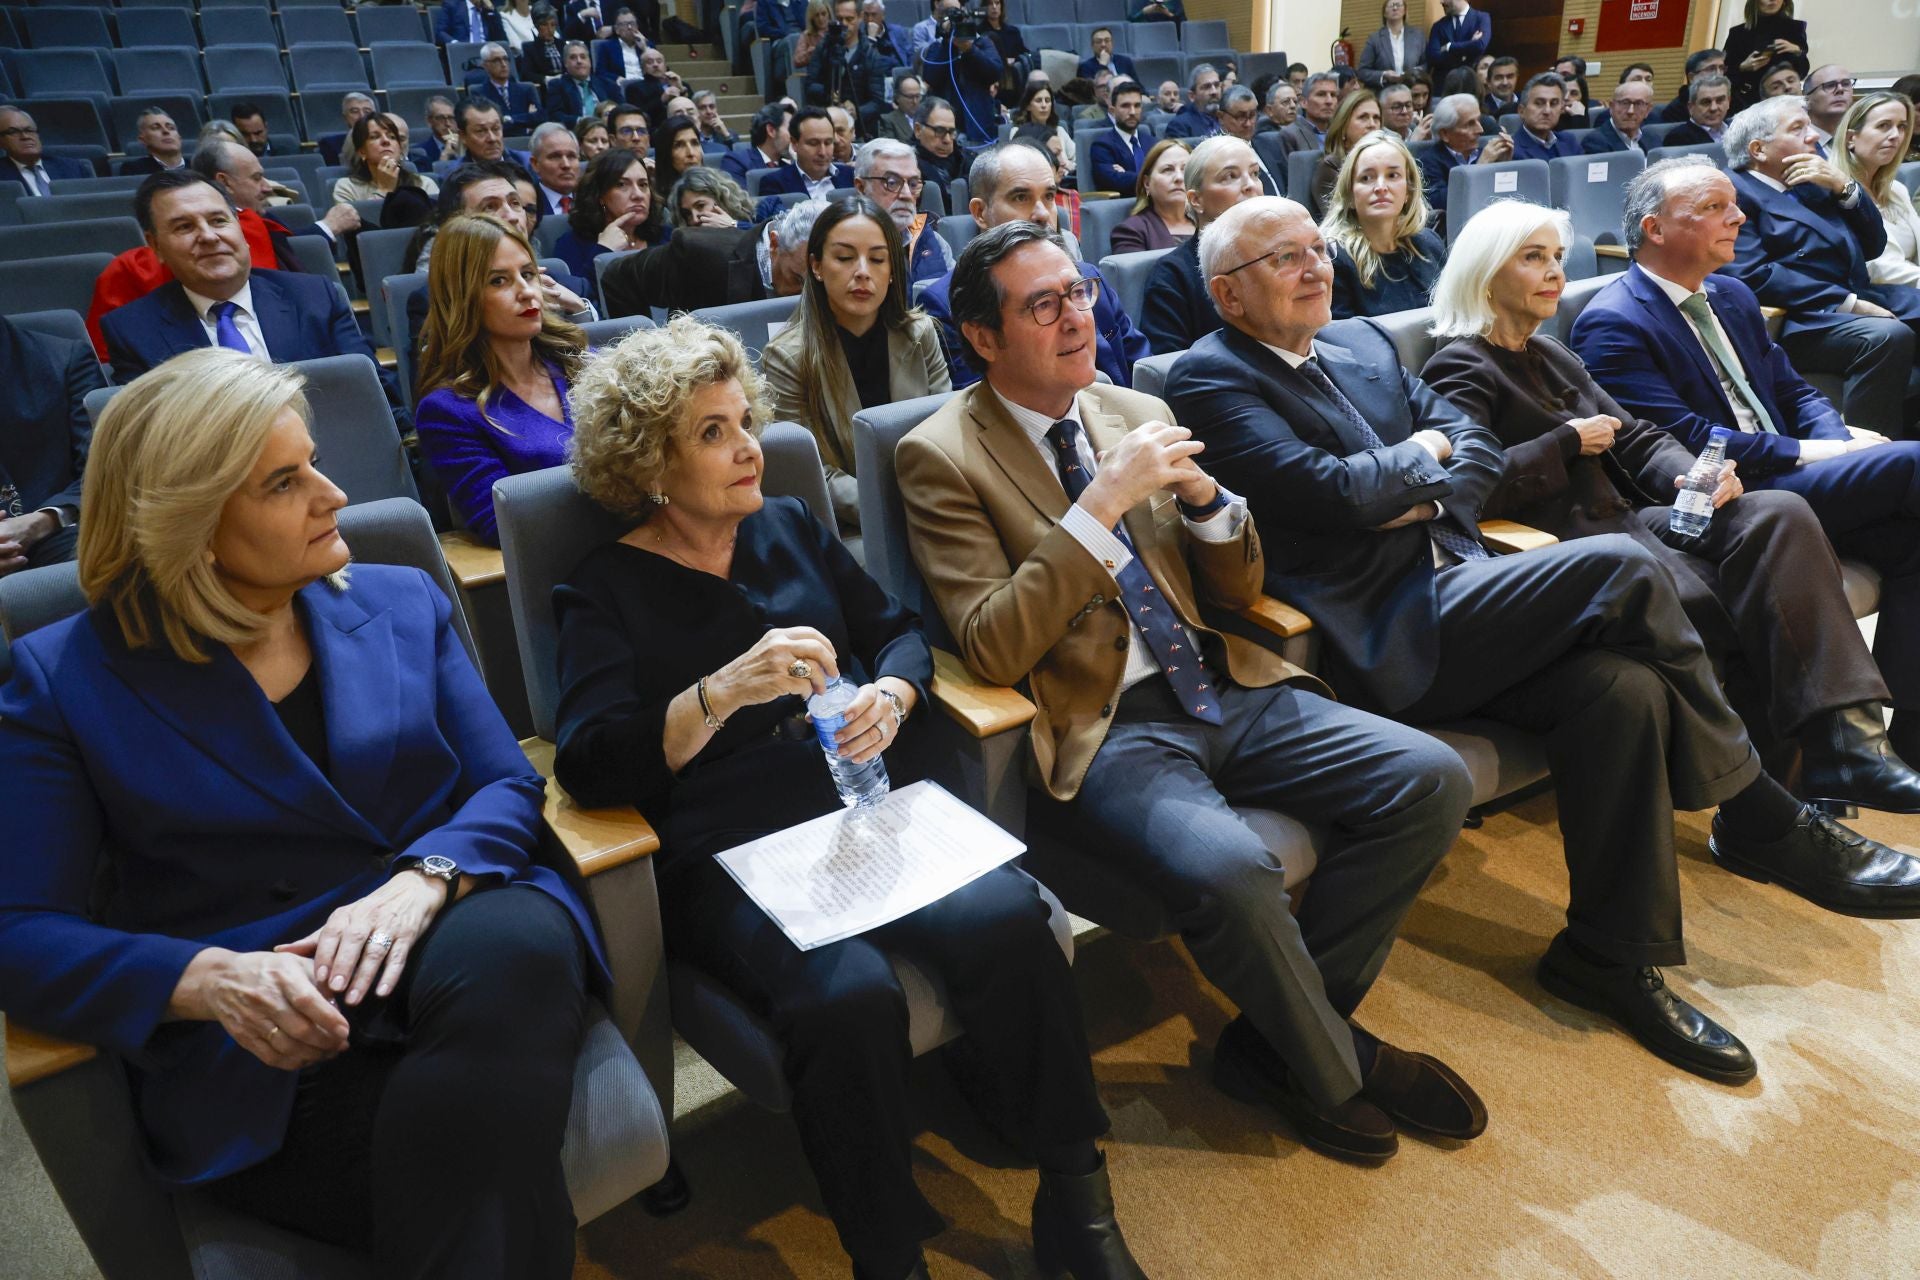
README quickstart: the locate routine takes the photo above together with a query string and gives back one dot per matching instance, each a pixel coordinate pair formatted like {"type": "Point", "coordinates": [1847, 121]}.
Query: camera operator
{"type": "Point", "coordinates": [963, 67]}
{"type": "Point", "coordinates": [849, 71]}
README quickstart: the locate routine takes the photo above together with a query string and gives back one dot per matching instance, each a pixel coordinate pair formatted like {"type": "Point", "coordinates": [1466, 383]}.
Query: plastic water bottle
{"type": "Point", "coordinates": [1693, 508]}
{"type": "Point", "coordinates": [861, 785]}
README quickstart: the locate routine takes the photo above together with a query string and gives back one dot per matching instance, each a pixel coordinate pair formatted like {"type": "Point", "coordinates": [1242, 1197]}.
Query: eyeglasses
{"type": "Point", "coordinates": [1047, 310]}
{"type": "Point", "coordinates": [633, 131]}
{"type": "Point", "coordinates": [1290, 259]}
{"type": "Point", "coordinates": [940, 131]}
{"type": "Point", "coordinates": [893, 182]}
{"type": "Point", "coordinates": [1828, 86]}
{"type": "Point", "coordinates": [21, 131]}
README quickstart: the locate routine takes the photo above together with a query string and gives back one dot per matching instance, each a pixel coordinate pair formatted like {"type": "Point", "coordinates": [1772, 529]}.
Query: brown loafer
{"type": "Point", "coordinates": [1421, 1092]}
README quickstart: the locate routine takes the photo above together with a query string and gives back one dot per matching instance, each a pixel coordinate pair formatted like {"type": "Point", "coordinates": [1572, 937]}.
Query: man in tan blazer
{"type": "Point", "coordinates": [1070, 538]}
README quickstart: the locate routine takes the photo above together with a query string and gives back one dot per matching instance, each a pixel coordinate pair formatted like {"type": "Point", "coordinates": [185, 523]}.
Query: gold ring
{"type": "Point", "coordinates": [271, 1033]}
{"type": "Point", "coordinates": [800, 669]}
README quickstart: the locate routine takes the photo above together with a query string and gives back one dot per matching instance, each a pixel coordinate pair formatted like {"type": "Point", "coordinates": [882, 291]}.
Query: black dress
{"type": "Point", "coordinates": [1743, 39]}
{"type": "Point", "coordinates": [638, 628]}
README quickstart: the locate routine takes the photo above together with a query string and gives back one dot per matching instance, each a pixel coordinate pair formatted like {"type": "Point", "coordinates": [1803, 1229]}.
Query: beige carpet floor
{"type": "Point", "coordinates": [1600, 1160]}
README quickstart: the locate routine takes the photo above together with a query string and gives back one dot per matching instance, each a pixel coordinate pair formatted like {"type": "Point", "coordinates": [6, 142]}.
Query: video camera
{"type": "Point", "coordinates": [960, 24]}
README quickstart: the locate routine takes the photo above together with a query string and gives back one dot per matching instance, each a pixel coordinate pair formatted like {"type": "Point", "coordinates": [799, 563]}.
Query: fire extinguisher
{"type": "Point", "coordinates": [1342, 52]}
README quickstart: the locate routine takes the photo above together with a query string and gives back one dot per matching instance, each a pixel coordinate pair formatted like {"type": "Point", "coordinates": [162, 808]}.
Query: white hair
{"type": "Point", "coordinates": [549, 129]}
{"type": "Point", "coordinates": [1462, 302]}
{"type": "Point", "coordinates": [1758, 123]}
{"type": "Point", "coordinates": [1220, 239]}
{"type": "Point", "coordinates": [1450, 110]}
{"type": "Point", "coordinates": [1202, 158]}
{"type": "Point", "coordinates": [871, 153]}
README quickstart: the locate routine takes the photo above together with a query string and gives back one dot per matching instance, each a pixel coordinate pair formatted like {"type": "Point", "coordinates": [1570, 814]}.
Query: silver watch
{"type": "Point", "coordinates": [899, 707]}
{"type": "Point", "coordinates": [438, 868]}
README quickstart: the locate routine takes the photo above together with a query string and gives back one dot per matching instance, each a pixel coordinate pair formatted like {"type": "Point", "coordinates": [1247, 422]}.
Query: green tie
{"type": "Point", "coordinates": [1701, 314]}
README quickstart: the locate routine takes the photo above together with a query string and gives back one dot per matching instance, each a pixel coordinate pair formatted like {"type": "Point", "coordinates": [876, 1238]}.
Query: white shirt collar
{"type": "Point", "coordinates": [1679, 293]}
{"type": "Point", "coordinates": [1293, 358]}
{"type": "Point", "coordinates": [1035, 423]}
{"type": "Point", "coordinates": [201, 304]}
{"type": "Point", "coordinates": [554, 197]}
{"type": "Point", "coordinates": [1773, 182]}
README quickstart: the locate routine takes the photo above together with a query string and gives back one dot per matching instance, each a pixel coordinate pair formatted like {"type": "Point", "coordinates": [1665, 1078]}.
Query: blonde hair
{"type": "Point", "coordinates": [1462, 297]}
{"type": "Point", "coordinates": [1336, 144]}
{"type": "Point", "coordinates": [1342, 223]}
{"type": "Point", "coordinates": [631, 399]}
{"type": "Point", "coordinates": [1880, 185]}
{"type": "Point", "coordinates": [168, 452]}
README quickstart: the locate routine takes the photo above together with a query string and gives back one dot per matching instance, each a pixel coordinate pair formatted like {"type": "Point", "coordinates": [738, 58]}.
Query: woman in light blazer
{"type": "Point", "coordinates": [854, 342]}
{"type": "Point", "coordinates": [1395, 52]}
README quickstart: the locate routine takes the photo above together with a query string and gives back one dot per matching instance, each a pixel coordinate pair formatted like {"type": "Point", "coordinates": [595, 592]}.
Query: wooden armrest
{"type": "Point", "coordinates": [1508, 536]}
{"type": "Point", "coordinates": [1773, 313]}
{"type": "Point", "coordinates": [598, 839]}
{"type": "Point", "coordinates": [982, 709]}
{"type": "Point", "coordinates": [1610, 251]}
{"type": "Point", "coordinates": [33, 1056]}
{"type": "Point", "coordinates": [472, 565]}
{"type": "Point", "coordinates": [386, 358]}
{"type": "Point", "coordinates": [361, 306]}
{"type": "Point", "coordinates": [1277, 619]}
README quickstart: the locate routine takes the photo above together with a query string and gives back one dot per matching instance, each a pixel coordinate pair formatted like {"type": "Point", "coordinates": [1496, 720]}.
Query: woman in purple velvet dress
{"type": "Point", "coordinates": [493, 382]}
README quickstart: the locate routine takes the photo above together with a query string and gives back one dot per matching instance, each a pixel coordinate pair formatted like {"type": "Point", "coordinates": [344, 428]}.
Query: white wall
{"type": "Point", "coordinates": [1307, 31]}
{"type": "Point", "coordinates": [1868, 37]}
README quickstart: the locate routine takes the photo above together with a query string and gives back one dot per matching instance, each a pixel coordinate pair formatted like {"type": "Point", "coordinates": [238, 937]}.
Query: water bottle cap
{"type": "Point", "coordinates": [1720, 433]}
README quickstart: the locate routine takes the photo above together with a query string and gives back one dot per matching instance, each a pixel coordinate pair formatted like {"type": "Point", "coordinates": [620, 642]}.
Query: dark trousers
{"type": "Point", "coordinates": [841, 1018]}
{"type": "Point", "coordinates": [1390, 799]}
{"type": "Point", "coordinates": [435, 1140]}
{"type": "Point", "coordinates": [1876, 357]}
{"type": "Point", "coordinates": [1762, 587]}
{"type": "Point", "coordinates": [1869, 504]}
{"type": "Point", "coordinates": [1586, 644]}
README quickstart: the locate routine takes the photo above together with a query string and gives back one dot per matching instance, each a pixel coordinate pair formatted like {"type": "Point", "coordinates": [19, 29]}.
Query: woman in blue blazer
{"type": "Point", "coordinates": [274, 851]}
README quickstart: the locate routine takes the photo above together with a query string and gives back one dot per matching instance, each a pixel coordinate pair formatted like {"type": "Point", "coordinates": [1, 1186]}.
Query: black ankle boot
{"type": "Point", "coordinates": [669, 1195]}
{"type": "Point", "coordinates": [1847, 756]}
{"type": "Point", "coordinates": [1074, 1232]}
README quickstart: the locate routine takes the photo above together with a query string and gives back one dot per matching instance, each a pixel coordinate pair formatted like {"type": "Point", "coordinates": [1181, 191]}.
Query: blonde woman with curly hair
{"type": "Point", "coordinates": [1385, 257]}
{"type": "Point", "coordinates": [283, 853]}
{"type": "Point", "coordinates": [494, 379]}
{"type": "Point", "coordinates": [686, 650]}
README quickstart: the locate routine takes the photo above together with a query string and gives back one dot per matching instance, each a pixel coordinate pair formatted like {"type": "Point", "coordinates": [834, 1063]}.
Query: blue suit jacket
{"type": "Point", "coordinates": [1118, 347]}
{"type": "Point", "coordinates": [1436, 163]}
{"type": "Point", "coordinates": [1122, 66]}
{"type": "Point", "coordinates": [43, 449]}
{"type": "Point", "coordinates": [1801, 250]}
{"type": "Point", "coordinates": [57, 167]}
{"type": "Point", "coordinates": [777, 19]}
{"type": "Point", "coordinates": [607, 60]}
{"type": "Point", "coordinates": [1115, 166]}
{"type": "Point", "coordinates": [1189, 122]}
{"type": "Point", "coordinates": [1641, 349]}
{"type": "Point", "coordinates": [1317, 490]}
{"type": "Point", "coordinates": [1457, 42]}
{"type": "Point", "coordinates": [788, 180]}
{"type": "Point", "coordinates": [518, 103]}
{"type": "Point", "coordinates": [219, 831]}
{"type": "Point", "coordinates": [742, 160]}
{"type": "Point", "coordinates": [1176, 311]}
{"type": "Point", "coordinates": [565, 104]}
{"type": "Point", "coordinates": [302, 318]}
{"type": "Point", "coordinates": [967, 80]}
{"type": "Point", "coordinates": [450, 25]}
{"type": "Point", "coordinates": [1528, 147]}
{"type": "Point", "coordinates": [1604, 139]}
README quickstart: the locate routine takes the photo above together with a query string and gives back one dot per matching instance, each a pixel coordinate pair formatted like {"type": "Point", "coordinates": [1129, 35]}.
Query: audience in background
{"type": "Point", "coordinates": [1456, 130]}
{"type": "Point", "coordinates": [1103, 57]}
{"type": "Point", "coordinates": [1395, 52]}
{"type": "Point", "coordinates": [252, 124]}
{"type": "Point", "coordinates": [1782, 79]}
{"type": "Point", "coordinates": [1357, 116]}
{"type": "Point", "coordinates": [937, 144]}
{"type": "Point", "coordinates": [1016, 183]}
{"type": "Point", "coordinates": [1627, 112]}
{"type": "Point", "coordinates": [1502, 75]}
{"type": "Point", "coordinates": [1541, 106]}
{"type": "Point", "coordinates": [849, 72]}
{"type": "Point", "coordinates": [494, 377]}
{"type": "Point", "coordinates": [1458, 39]}
{"type": "Point", "coordinates": [1701, 62]}
{"type": "Point", "coordinates": [556, 166]}
{"type": "Point", "coordinates": [1769, 37]}
{"type": "Point", "coordinates": [353, 107]}
{"type": "Point", "coordinates": [467, 22]}
{"type": "Point", "coordinates": [542, 54]}
{"type": "Point", "coordinates": [378, 166]}
{"type": "Point", "coordinates": [812, 37]}
{"type": "Point", "coordinates": [614, 211]}
{"type": "Point", "coordinates": [1648, 337]}
{"type": "Point", "coordinates": [1174, 11]}
{"type": "Point", "coordinates": [1177, 310]}
{"type": "Point", "coordinates": [769, 145]}
{"type": "Point", "coordinates": [1829, 93]}
{"type": "Point", "coordinates": [1160, 217]}
{"type": "Point", "coordinates": [1166, 98]}
{"type": "Point", "coordinates": [1573, 111]}
{"type": "Point", "coordinates": [593, 137]}
{"type": "Point", "coordinates": [706, 197]}
{"type": "Point", "coordinates": [516, 21]}
{"type": "Point", "coordinates": [1804, 246]}
{"type": "Point", "coordinates": [483, 136]}
{"type": "Point", "coordinates": [676, 150]}
{"type": "Point", "coordinates": [855, 342]}
{"type": "Point", "coordinates": [578, 93]}
{"type": "Point", "coordinates": [1037, 108]}
{"type": "Point", "coordinates": [443, 132]}
{"type": "Point", "coordinates": [43, 451]}
{"type": "Point", "coordinates": [234, 168]}
{"type": "Point", "coordinates": [1115, 157]}
{"type": "Point", "coordinates": [1385, 258]}
{"type": "Point", "coordinates": [402, 1020]}
{"type": "Point", "coordinates": [1318, 102]}
{"type": "Point", "coordinates": [1199, 118]}
{"type": "Point", "coordinates": [1870, 144]}
{"type": "Point", "coordinates": [713, 129]}
{"type": "Point", "coordinates": [217, 298]}
{"type": "Point", "coordinates": [26, 160]}
{"type": "Point", "coordinates": [813, 172]}
{"type": "Point", "coordinates": [1760, 585]}
{"type": "Point", "coordinates": [886, 173]}
{"type": "Point", "coordinates": [967, 74]}
{"type": "Point", "coordinates": [619, 58]}
{"type": "Point", "coordinates": [898, 123]}
{"type": "Point", "coordinates": [1709, 97]}
{"type": "Point", "coordinates": [515, 99]}
{"type": "Point", "coordinates": [159, 136]}
{"type": "Point", "coordinates": [893, 41]}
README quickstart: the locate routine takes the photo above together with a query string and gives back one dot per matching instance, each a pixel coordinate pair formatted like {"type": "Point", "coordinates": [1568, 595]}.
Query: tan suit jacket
{"type": "Point", "coordinates": [917, 366]}
{"type": "Point", "coordinates": [1023, 597]}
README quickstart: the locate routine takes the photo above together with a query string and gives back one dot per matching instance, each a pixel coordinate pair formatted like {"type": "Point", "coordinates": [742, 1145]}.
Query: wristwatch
{"type": "Point", "coordinates": [899, 707]}
{"type": "Point", "coordinates": [437, 867]}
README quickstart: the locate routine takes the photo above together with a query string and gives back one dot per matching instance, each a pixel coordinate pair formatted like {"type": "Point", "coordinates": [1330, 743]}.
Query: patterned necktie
{"type": "Point", "coordinates": [1146, 607]}
{"type": "Point", "coordinates": [37, 178]}
{"type": "Point", "coordinates": [225, 330]}
{"type": "Point", "coordinates": [1444, 533]}
{"type": "Point", "coordinates": [1700, 312]}
{"type": "Point", "coordinates": [566, 204]}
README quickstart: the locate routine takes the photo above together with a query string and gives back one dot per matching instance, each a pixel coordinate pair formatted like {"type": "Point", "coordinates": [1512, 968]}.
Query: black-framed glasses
{"type": "Point", "coordinates": [893, 182]}
{"type": "Point", "coordinates": [941, 130]}
{"type": "Point", "coordinates": [1289, 258]}
{"type": "Point", "coordinates": [1046, 310]}
{"type": "Point", "coordinates": [21, 131]}
{"type": "Point", "coordinates": [1828, 86]}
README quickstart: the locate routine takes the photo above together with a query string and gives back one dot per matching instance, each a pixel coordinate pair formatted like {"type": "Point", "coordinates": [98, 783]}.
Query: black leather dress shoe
{"type": "Point", "coordinates": [669, 1195]}
{"type": "Point", "coordinates": [1846, 758]}
{"type": "Point", "coordinates": [1074, 1231]}
{"type": "Point", "coordinates": [1827, 865]}
{"type": "Point", "coordinates": [1638, 998]}
{"type": "Point", "coordinates": [1246, 1067]}
{"type": "Point", "coordinates": [1422, 1092]}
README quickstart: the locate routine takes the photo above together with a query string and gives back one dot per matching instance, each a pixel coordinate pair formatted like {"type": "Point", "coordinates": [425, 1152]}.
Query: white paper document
{"type": "Point", "coordinates": [847, 872]}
